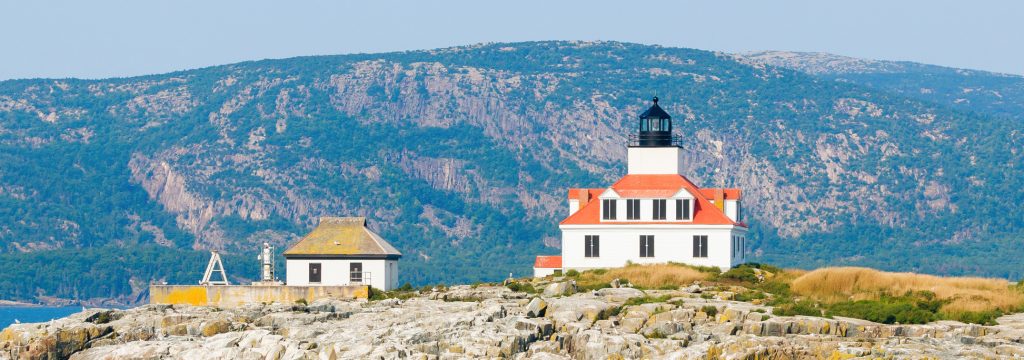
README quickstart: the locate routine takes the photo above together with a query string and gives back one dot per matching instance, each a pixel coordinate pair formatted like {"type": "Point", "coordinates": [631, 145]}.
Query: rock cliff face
{"type": "Point", "coordinates": [494, 322]}
{"type": "Point", "coordinates": [463, 155]}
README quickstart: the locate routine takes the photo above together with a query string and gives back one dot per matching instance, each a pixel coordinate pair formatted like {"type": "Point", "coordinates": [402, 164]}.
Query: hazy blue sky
{"type": "Point", "coordinates": [94, 39]}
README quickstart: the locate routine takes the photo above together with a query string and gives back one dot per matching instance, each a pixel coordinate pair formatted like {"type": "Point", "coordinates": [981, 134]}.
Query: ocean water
{"type": "Point", "coordinates": [27, 314]}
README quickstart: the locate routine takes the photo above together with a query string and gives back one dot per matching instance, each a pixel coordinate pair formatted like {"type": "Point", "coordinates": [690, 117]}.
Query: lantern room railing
{"type": "Point", "coordinates": [654, 139]}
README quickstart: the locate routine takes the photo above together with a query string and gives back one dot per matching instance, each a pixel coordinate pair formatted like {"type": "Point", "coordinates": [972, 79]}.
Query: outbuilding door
{"type": "Point", "coordinates": [314, 272]}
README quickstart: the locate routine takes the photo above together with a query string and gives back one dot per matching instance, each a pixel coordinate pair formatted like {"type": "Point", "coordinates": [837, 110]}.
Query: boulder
{"type": "Point", "coordinates": [536, 308]}
{"type": "Point", "coordinates": [560, 289]}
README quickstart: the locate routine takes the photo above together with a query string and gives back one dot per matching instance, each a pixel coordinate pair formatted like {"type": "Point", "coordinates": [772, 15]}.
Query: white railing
{"type": "Point", "coordinates": [363, 278]}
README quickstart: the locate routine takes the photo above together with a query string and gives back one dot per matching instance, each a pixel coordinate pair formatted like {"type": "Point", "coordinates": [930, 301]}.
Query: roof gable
{"type": "Point", "coordinates": [342, 237]}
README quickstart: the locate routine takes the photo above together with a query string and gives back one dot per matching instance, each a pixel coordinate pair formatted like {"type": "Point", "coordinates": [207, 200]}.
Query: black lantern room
{"type": "Point", "coordinates": [655, 128]}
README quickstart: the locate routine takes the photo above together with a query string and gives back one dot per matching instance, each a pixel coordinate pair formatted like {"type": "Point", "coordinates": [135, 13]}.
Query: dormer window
{"type": "Point", "coordinates": [632, 209]}
{"type": "Point", "coordinates": [683, 210]}
{"type": "Point", "coordinates": [659, 209]}
{"type": "Point", "coordinates": [608, 209]}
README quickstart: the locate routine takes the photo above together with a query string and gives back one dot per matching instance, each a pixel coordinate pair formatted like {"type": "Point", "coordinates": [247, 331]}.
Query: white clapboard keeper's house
{"type": "Point", "coordinates": [653, 214]}
{"type": "Point", "coordinates": [342, 251]}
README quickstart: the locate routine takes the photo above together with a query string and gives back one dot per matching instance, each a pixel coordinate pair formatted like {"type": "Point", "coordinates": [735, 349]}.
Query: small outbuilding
{"type": "Point", "coordinates": [342, 251]}
{"type": "Point", "coordinates": [547, 265]}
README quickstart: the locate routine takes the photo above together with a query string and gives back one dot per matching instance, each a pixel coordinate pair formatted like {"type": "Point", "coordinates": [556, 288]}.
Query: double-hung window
{"type": "Point", "coordinates": [633, 209]}
{"type": "Point", "coordinates": [682, 209]}
{"type": "Point", "coordinates": [592, 244]}
{"type": "Point", "coordinates": [646, 246]}
{"type": "Point", "coordinates": [659, 209]}
{"type": "Point", "coordinates": [700, 246]}
{"type": "Point", "coordinates": [608, 209]}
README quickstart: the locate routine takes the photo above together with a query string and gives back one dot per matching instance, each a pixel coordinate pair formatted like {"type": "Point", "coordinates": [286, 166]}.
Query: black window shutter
{"type": "Point", "coordinates": [696, 246]}
{"type": "Point", "coordinates": [597, 246]}
{"type": "Point", "coordinates": [586, 246]}
{"type": "Point", "coordinates": [650, 245]}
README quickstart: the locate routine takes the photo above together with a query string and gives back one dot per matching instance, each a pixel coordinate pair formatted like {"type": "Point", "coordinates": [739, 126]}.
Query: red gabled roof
{"type": "Point", "coordinates": [648, 186]}
{"type": "Point", "coordinates": [548, 262]}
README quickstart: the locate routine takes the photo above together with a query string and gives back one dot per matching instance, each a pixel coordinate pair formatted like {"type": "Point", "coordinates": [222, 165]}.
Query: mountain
{"type": "Point", "coordinates": [987, 93]}
{"type": "Point", "coordinates": [461, 158]}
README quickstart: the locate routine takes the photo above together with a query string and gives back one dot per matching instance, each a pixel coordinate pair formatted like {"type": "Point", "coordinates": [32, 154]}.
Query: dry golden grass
{"type": "Point", "coordinates": [964, 294]}
{"type": "Point", "coordinates": [651, 276]}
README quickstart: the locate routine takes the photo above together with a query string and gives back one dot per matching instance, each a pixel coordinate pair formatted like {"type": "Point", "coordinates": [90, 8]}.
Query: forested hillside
{"type": "Point", "coordinates": [461, 157]}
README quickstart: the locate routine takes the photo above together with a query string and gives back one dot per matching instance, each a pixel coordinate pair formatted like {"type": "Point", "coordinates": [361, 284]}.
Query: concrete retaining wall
{"type": "Point", "coordinates": [237, 295]}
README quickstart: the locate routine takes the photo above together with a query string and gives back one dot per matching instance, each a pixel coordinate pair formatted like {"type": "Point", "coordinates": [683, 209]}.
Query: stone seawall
{"type": "Point", "coordinates": [238, 295]}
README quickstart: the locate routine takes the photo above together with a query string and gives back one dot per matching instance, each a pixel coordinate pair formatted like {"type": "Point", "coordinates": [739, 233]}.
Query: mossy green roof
{"type": "Point", "coordinates": [342, 236]}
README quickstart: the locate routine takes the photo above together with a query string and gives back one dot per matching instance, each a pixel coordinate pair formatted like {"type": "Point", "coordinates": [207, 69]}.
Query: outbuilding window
{"type": "Point", "coordinates": [314, 272]}
{"type": "Point", "coordinates": [355, 273]}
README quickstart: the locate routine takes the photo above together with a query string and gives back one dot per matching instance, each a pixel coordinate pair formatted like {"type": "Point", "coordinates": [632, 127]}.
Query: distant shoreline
{"type": "Point", "coordinates": [12, 303]}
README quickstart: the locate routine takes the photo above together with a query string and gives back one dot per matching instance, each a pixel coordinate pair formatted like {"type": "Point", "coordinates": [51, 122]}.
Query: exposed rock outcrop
{"type": "Point", "coordinates": [494, 322]}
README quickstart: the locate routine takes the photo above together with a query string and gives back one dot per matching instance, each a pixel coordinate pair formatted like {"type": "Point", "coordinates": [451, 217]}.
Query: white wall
{"type": "Point", "coordinates": [730, 209]}
{"type": "Point", "coordinates": [654, 160]}
{"type": "Point", "coordinates": [336, 272]}
{"type": "Point", "coordinates": [621, 243]}
{"type": "Point", "coordinates": [542, 272]}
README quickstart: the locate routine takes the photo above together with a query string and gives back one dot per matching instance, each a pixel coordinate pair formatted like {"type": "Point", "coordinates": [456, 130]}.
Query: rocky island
{"type": "Point", "coordinates": [552, 318]}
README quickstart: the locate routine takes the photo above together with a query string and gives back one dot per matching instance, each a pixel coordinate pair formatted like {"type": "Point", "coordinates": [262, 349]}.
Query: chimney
{"type": "Point", "coordinates": [584, 196]}
{"type": "Point", "coordinates": [720, 199]}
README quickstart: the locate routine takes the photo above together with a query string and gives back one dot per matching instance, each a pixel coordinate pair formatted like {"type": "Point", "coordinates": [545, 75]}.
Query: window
{"type": "Point", "coordinates": [739, 214]}
{"type": "Point", "coordinates": [659, 209]}
{"type": "Point", "coordinates": [314, 272]}
{"type": "Point", "coordinates": [646, 245]}
{"type": "Point", "coordinates": [355, 273]}
{"type": "Point", "coordinates": [633, 209]}
{"type": "Point", "coordinates": [682, 209]}
{"type": "Point", "coordinates": [593, 246]}
{"type": "Point", "coordinates": [700, 246]}
{"type": "Point", "coordinates": [735, 245]}
{"type": "Point", "coordinates": [608, 209]}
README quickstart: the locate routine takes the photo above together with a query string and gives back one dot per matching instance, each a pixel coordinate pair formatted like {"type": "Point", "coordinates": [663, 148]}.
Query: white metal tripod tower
{"type": "Point", "coordinates": [215, 265]}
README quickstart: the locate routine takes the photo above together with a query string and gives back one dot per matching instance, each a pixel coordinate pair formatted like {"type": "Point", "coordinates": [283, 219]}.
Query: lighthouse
{"type": "Point", "coordinates": [654, 213]}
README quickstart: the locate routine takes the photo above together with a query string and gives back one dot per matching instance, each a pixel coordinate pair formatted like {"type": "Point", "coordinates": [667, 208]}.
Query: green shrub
{"type": "Point", "coordinates": [749, 295]}
{"type": "Point", "coordinates": [646, 299]}
{"type": "Point", "coordinates": [593, 286]}
{"type": "Point", "coordinates": [975, 317]}
{"type": "Point", "coordinates": [886, 312]}
{"type": "Point", "coordinates": [656, 334]}
{"type": "Point", "coordinates": [710, 310]}
{"type": "Point", "coordinates": [405, 287]}
{"type": "Point", "coordinates": [572, 273]}
{"type": "Point", "coordinates": [521, 287]}
{"type": "Point", "coordinates": [304, 302]}
{"type": "Point", "coordinates": [744, 274]}
{"type": "Point", "coordinates": [803, 307]}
